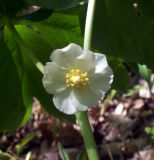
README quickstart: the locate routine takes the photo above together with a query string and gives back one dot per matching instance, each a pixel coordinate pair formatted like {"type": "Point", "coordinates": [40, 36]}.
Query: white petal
{"type": "Point", "coordinates": [102, 77]}
{"type": "Point", "coordinates": [87, 96]}
{"type": "Point", "coordinates": [66, 57]}
{"type": "Point", "coordinates": [102, 81]}
{"type": "Point", "coordinates": [54, 78]}
{"type": "Point", "coordinates": [67, 103]}
{"type": "Point", "coordinates": [100, 62]}
{"type": "Point", "coordinates": [85, 62]}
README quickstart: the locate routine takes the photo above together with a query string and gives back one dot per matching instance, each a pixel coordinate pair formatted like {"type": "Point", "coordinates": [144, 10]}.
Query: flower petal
{"type": "Point", "coordinates": [87, 96]}
{"type": "Point", "coordinates": [100, 63]}
{"type": "Point", "coordinates": [85, 62]}
{"type": "Point", "coordinates": [71, 99]}
{"type": "Point", "coordinates": [54, 78]}
{"type": "Point", "coordinates": [66, 57]}
{"type": "Point", "coordinates": [102, 81]}
{"type": "Point", "coordinates": [66, 102]}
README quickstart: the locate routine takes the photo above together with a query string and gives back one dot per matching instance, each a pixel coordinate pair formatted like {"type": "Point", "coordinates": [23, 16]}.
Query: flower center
{"type": "Point", "coordinates": [76, 79]}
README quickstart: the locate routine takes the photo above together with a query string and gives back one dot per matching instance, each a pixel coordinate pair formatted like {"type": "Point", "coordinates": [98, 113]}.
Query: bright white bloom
{"type": "Point", "coordinates": [78, 79]}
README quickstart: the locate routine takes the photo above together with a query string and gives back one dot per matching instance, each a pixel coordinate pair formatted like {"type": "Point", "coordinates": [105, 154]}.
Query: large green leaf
{"type": "Point", "coordinates": [55, 4]}
{"type": "Point", "coordinates": [32, 78]}
{"type": "Point", "coordinates": [11, 103]}
{"type": "Point", "coordinates": [60, 29]}
{"type": "Point", "coordinates": [124, 31]}
{"type": "Point", "coordinates": [64, 29]}
{"type": "Point", "coordinates": [56, 32]}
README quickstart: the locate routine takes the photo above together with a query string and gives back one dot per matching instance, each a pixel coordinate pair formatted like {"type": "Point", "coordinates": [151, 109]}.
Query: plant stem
{"type": "Point", "coordinates": [82, 119]}
{"type": "Point", "coordinates": [89, 24]}
{"type": "Point", "coordinates": [23, 44]}
{"type": "Point", "coordinates": [7, 155]}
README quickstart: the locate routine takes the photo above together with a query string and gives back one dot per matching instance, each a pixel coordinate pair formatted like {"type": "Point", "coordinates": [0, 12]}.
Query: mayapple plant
{"type": "Point", "coordinates": [78, 78]}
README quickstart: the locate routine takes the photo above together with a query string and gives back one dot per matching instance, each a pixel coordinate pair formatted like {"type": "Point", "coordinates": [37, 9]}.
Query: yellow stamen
{"type": "Point", "coordinates": [76, 79]}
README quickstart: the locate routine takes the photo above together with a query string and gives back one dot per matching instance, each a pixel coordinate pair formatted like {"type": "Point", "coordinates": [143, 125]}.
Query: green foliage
{"type": "Point", "coordinates": [121, 77]}
{"type": "Point", "coordinates": [12, 109]}
{"type": "Point", "coordinates": [126, 34]}
{"type": "Point", "coordinates": [82, 155]}
{"type": "Point", "coordinates": [63, 153]}
{"type": "Point", "coordinates": [24, 81]}
{"type": "Point", "coordinates": [31, 77]}
{"type": "Point", "coordinates": [5, 155]}
{"type": "Point", "coordinates": [19, 147]}
{"type": "Point", "coordinates": [60, 30]}
{"type": "Point", "coordinates": [133, 90]}
{"type": "Point", "coordinates": [123, 31]}
{"type": "Point", "coordinates": [145, 73]}
{"type": "Point", "coordinates": [150, 131]}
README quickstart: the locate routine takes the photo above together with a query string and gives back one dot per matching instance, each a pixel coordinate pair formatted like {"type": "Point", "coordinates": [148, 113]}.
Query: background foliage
{"type": "Point", "coordinates": [122, 31]}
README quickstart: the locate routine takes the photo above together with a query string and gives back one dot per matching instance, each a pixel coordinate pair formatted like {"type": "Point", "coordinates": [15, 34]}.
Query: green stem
{"type": "Point", "coordinates": [89, 24]}
{"type": "Point", "coordinates": [22, 44]}
{"type": "Point", "coordinates": [7, 155]}
{"type": "Point", "coordinates": [82, 119]}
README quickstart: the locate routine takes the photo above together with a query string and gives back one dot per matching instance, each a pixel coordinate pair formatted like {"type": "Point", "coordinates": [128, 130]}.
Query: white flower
{"type": "Point", "coordinates": [78, 79]}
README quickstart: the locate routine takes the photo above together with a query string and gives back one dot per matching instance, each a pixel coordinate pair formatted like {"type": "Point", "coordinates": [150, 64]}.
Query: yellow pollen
{"type": "Point", "coordinates": [76, 79]}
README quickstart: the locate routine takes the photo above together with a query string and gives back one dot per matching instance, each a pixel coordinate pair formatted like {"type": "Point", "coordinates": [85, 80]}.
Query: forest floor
{"type": "Point", "coordinates": [123, 127]}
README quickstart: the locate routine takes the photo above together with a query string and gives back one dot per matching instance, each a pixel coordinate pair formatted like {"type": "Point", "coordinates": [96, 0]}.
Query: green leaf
{"type": "Point", "coordinates": [145, 73]}
{"type": "Point", "coordinates": [133, 90]}
{"type": "Point", "coordinates": [20, 146]}
{"type": "Point", "coordinates": [31, 78]}
{"type": "Point", "coordinates": [124, 31]}
{"type": "Point", "coordinates": [55, 4]}
{"type": "Point", "coordinates": [38, 15]}
{"type": "Point", "coordinates": [12, 108]}
{"type": "Point", "coordinates": [63, 153]}
{"type": "Point", "coordinates": [60, 29]}
{"type": "Point", "coordinates": [150, 130]}
{"type": "Point", "coordinates": [5, 155]}
{"type": "Point", "coordinates": [121, 76]}
{"type": "Point", "coordinates": [82, 155]}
